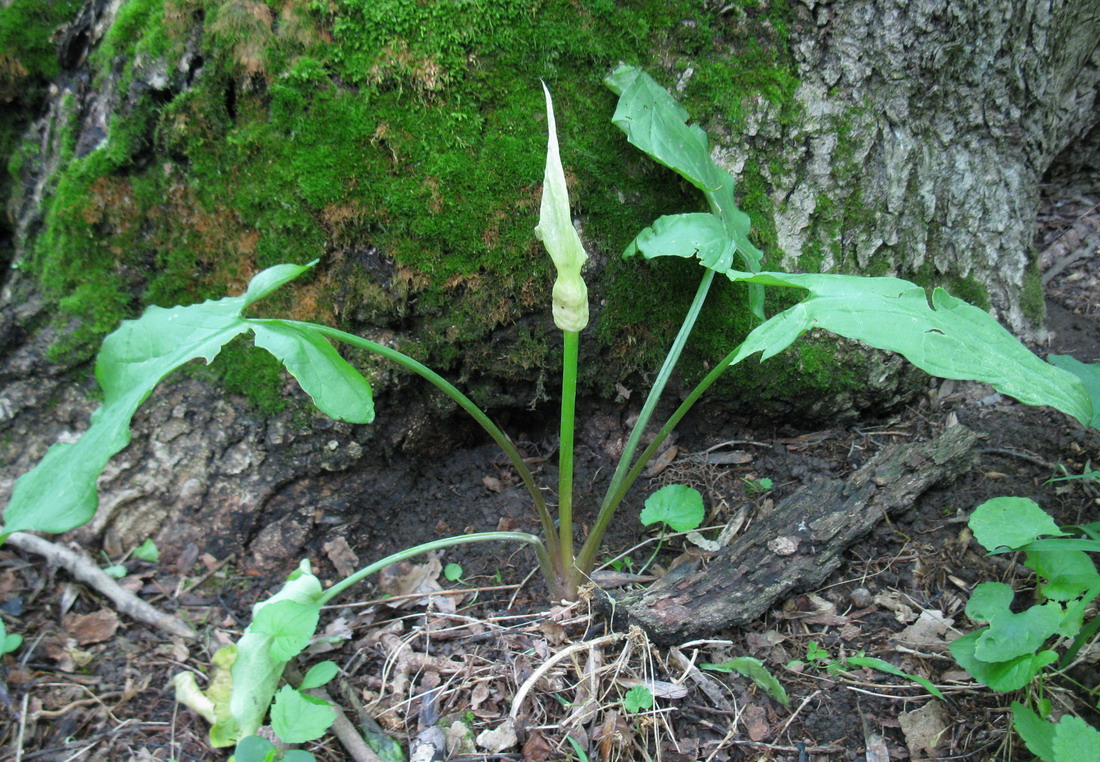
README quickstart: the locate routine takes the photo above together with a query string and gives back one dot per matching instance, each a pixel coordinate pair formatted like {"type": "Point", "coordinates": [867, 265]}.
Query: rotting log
{"type": "Point", "coordinates": [797, 545]}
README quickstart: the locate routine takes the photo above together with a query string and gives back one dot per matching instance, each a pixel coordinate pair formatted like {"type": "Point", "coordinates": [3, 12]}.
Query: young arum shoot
{"type": "Point", "coordinates": [570, 307]}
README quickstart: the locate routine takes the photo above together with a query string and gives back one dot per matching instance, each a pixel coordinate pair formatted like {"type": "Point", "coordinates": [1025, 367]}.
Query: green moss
{"type": "Point", "coordinates": [27, 51]}
{"type": "Point", "coordinates": [248, 370]}
{"type": "Point", "coordinates": [969, 290]}
{"type": "Point", "coordinates": [394, 140]}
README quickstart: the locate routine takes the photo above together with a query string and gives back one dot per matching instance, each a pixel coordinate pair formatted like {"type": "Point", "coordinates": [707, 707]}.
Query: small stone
{"type": "Point", "coordinates": [861, 597]}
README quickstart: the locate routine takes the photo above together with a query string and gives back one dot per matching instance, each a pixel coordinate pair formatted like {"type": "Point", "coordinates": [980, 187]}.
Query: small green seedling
{"type": "Point", "coordinates": [9, 641]}
{"type": "Point", "coordinates": [624, 564]}
{"type": "Point", "coordinates": [1089, 475]}
{"type": "Point", "coordinates": [452, 572]}
{"type": "Point", "coordinates": [259, 749]}
{"type": "Point", "coordinates": [754, 669]}
{"type": "Point", "coordinates": [147, 551]}
{"type": "Point", "coordinates": [1013, 648]}
{"type": "Point", "coordinates": [870, 662]}
{"type": "Point", "coordinates": [675, 507]}
{"type": "Point", "coordinates": [819, 657]}
{"type": "Point", "coordinates": [638, 699]}
{"type": "Point", "coordinates": [116, 571]}
{"type": "Point", "coordinates": [758, 486]}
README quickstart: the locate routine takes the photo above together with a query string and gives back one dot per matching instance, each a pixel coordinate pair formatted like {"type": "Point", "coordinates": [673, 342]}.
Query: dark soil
{"type": "Point", "coordinates": [88, 684]}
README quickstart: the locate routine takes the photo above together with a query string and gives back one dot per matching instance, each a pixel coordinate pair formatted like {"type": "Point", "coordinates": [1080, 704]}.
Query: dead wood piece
{"type": "Point", "coordinates": [796, 546]}
{"type": "Point", "coordinates": [86, 571]}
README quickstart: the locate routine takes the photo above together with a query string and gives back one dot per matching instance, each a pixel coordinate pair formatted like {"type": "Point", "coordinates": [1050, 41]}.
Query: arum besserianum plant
{"type": "Point", "coordinates": [945, 337]}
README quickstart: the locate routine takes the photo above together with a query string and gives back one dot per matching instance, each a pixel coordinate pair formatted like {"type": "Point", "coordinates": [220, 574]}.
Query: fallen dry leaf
{"type": "Point", "coordinates": [336, 633]}
{"type": "Point", "coordinates": [659, 688]}
{"type": "Point", "coordinates": [91, 628]}
{"type": "Point", "coordinates": [756, 723]}
{"type": "Point", "coordinates": [662, 461]}
{"type": "Point", "coordinates": [892, 600]}
{"type": "Point", "coordinates": [928, 630]}
{"type": "Point", "coordinates": [877, 750]}
{"type": "Point", "coordinates": [509, 524]}
{"type": "Point", "coordinates": [609, 579]}
{"type": "Point", "coordinates": [553, 631]}
{"type": "Point", "coordinates": [731, 458]}
{"type": "Point", "coordinates": [537, 748]}
{"type": "Point", "coordinates": [697, 539]}
{"type": "Point", "coordinates": [479, 695]}
{"type": "Point", "coordinates": [498, 739]}
{"type": "Point", "coordinates": [460, 741]}
{"type": "Point", "coordinates": [407, 578]}
{"type": "Point", "coordinates": [342, 556]}
{"type": "Point", "coordinates": [923, 728]}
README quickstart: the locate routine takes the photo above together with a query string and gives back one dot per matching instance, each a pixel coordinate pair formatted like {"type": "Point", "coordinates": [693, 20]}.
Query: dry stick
{"type": "Point", "coordinates": [410, 596]}
{"type": "Point", "coordinates": [86, 571]}
{"type": "Point", "coordinates": [705, 682]}
{"type": "Point", "coordinates": [547, 665]}
{"type": "Point", "coordinates": [795, 713]}
{"type": "Point", "coordinates": [201, 580]}
{"type": "Point", "coordinates": [346, 733]}
{"type": "Point", "coordinates": [22, 727]}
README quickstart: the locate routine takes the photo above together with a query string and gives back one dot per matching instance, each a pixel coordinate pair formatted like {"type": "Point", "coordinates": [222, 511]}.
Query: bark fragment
{"type": "Point", "coordinates": [819, 521]}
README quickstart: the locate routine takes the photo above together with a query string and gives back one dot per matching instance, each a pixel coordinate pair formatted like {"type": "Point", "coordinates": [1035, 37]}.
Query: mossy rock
{"type": "Point", "coordinates": [401, 143]}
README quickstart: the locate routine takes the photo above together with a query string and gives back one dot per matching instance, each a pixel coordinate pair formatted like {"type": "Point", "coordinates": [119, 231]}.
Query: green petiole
{"type": "Point", "coordinates": [478, 415]}
{"type": "Point", "coordinates": [624, 477]}
{"type": "Point", "coordinates": [565, 450]}
{"type": "Point", "coordinates": [428, 547]}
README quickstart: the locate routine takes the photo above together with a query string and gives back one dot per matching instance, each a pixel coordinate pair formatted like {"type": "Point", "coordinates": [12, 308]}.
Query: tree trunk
{"type": "Point", "coordinates": [170, 149]}
{"type": "Point", "coordinates": [926, 129]}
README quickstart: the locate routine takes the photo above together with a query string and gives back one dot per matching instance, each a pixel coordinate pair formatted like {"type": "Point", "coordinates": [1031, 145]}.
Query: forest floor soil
{"type": "Point", "coordinates": [89, 683]}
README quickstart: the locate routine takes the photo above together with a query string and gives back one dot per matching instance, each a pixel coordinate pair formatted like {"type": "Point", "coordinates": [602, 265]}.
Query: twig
{"type": "Point", "coordinates": [1088, 248]}
{"type": "Point", "coordinates": [347, 734]}
{"type": "Point", "coordinates": [22, 727]}
{"type": "Point", "coordinates": [407, 596]}
{"type": "Point", "coordinates": [530, 574]}
{"type": "Point", "coordinates": [832, 749]}
{"type": "Point", "coordinates": [86, 571]}
{"type": "Point", "coordinates": [706, 683]}
{"type": "Point", "coordinates": [201, 580]}
{"type": "Point", "coordinates": [1019, 454]}
{"type": "Point", "coordinates": [801, 706]}
{"type": "Point", "coordinates": [547, 665]}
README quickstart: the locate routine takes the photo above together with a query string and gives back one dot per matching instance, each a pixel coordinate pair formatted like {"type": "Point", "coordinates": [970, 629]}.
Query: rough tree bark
{"type": "Point", "coordinates": [928, 128]}
{"type": "Point", "coordinates": [797, 545]}
{"type": "Point", "coordinates": [877, 136]}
